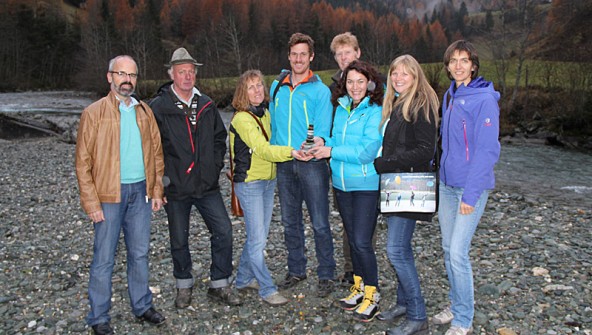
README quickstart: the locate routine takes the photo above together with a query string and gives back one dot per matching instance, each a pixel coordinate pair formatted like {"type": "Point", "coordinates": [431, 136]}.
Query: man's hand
{"type": "Point", "coordinates": [97, 216]}
{"type": "Point", "coordinates": [156, 204]}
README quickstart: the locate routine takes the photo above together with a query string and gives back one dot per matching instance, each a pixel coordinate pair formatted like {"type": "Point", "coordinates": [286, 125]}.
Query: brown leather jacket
{"type": "Point", "coordinates": [97, 153]}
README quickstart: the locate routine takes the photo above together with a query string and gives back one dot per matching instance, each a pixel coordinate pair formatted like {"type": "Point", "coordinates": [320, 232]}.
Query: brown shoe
{"type": "Point", "coordinates": [225, 295]}
{"type": "Point", "coordinates": [183, 299]}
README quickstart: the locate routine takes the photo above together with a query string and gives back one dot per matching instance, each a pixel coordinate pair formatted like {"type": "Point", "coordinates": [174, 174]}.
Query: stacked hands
{"type": "Point", "coordinates": [318, 151]}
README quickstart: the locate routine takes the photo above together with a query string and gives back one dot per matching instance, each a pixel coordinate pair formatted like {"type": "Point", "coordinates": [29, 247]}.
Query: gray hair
{"type": "Point", "coordinates": [116, 58]}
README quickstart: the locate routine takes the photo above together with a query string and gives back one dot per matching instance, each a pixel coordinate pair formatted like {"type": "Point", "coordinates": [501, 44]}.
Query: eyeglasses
{"type": "Point", "coordinates": [123, 74]}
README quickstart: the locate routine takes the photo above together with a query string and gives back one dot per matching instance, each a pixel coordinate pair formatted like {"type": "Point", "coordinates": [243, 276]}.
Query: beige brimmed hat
{"type": "Point", "coordinates": [182, 56]}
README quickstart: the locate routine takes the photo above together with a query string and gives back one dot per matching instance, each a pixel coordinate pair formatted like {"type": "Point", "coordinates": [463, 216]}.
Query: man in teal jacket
{"type": "Point", "coordinates": [299, 99]}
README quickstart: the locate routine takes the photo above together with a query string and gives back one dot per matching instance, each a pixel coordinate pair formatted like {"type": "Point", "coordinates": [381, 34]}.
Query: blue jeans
{"type": "Point", "coordinates": [132, 215]}
{"type": "Point", "coordinates": [457, 232]}
{"type": "Point", "coordinates": [309, 182]}
{"type": "Point", "coordinates": [359, 212]}
{"type": "Point", "coordinates": [400, 253]}
{"type": "Point", "coordinates": [212, 209]}
{"type": "Point", "coordinates": [256, 199]}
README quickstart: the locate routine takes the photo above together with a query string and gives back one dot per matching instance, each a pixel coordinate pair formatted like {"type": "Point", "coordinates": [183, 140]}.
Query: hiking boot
{"type": "Point", "coordinates": [325, 287]}
{"type": "Point", "coordinates": [276, 299]}
{"type": "Point", "coordinates": [348, 279]}
{"type": "Point", "coordinates": [252, 285]}
{"type": "Point", "coordinates": [183, 299]}
{"type": "Point", "coordinates": [443, 317]}
{"type": "Point", "coordinates": [369, 306]}
{"type": "Point", "coordinates": [392, 313]}
{"type": "Point", "coordinates": [225, 295]}
{"type": "Point", "coordinates": [454, 330]}
{"type": "Point", "coordinates": [152, 316]}
{"type": "Point", "coordinates": [102, 329]}
{"type": "Point", "coordinates": [354, 299]}
{"type": "Point", "coordinates": [410, 327]}
{"type": "Point", "coordinates": [290, 281]}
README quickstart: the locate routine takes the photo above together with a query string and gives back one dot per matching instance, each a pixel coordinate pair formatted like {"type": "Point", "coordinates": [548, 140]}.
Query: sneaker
{"type": "Point", "coordinates": [454, 330]}
{"type": "Point", "coordinates": [252, 285]}
{"type": "Point", "coordinates": [355, 298]}
{"type": "Point", "coordinates": [369, 306]}
{"type": "Point", "coordinates": [183, 299]}
{"type": "Point", "coordinates": [410, 327]}
{"type": "Point", "coordinates": [290, 281]}
{"type": "Point", "coordinates": [443, 317]}
{"type": "Point", "coordinates": [102, 329]}
{"type": "Point", "coordinates": [276, 299]}
{"type": "Point", "coordinates": [348, 279]}
{"type": "Point", "coordinates": [392, 313]}
{"type": "Point", "coordinates": [325, 287]}
{"type": "Point", "coordinates": [225, 295]}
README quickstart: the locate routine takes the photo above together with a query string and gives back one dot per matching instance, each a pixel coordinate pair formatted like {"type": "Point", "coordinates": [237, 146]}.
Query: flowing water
{"type": "Point", "coordinates": [535, 171]}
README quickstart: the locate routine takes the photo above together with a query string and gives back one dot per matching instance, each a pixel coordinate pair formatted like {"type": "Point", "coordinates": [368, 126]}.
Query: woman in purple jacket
{"type": "Point", "coordinates": [470, 149]}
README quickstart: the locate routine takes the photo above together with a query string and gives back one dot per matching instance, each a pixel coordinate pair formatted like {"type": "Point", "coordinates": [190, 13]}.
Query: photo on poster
{"type": "Point", "coordinates": [408, 192]}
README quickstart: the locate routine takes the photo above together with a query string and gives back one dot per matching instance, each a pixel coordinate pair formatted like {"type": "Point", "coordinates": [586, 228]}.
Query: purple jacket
{"type": "Point", "coordinates": [470, 130]}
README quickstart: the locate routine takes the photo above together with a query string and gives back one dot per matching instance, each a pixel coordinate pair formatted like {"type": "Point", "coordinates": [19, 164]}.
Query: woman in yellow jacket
{"type": "Point", "coordinates": [254, 180]}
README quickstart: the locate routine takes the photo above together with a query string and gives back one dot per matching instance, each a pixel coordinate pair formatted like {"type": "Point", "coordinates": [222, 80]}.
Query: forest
{"type": "Point", "coordinates": [66, 44]}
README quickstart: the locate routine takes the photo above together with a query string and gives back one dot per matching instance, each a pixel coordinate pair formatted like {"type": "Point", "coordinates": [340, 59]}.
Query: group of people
{"type": "Point", "coordinates": [133, 158]}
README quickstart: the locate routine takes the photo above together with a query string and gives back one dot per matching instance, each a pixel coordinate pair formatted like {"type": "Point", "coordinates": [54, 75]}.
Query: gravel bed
{"type": "Point", "coordinates": [532, 264]}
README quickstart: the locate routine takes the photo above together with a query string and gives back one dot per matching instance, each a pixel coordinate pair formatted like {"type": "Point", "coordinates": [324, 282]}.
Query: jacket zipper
{"type": "Point", "coordinates": [466, 139]}
{"type": "Point", "coordinates": [188, 171]}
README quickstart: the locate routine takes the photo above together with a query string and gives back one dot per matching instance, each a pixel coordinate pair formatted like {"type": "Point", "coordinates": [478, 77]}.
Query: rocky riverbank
{"type": "Point", "coordinates": [532, 263]}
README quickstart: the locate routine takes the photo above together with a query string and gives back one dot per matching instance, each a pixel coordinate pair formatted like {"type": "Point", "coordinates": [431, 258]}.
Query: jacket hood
{"type": "Point", "coordinates": [476, 86]}
{"type": "Point", "coordinates": [164, 87]}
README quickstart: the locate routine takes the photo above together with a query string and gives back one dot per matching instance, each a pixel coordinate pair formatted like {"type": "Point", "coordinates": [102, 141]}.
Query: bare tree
{"type": "Point", "coordinates": [527, 19]}
{"type": "Point", "coordinates": [232, 42]}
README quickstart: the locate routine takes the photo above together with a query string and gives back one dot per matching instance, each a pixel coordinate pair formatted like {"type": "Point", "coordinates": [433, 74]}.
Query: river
{"type": "Point", "coordinates": [539, 172]}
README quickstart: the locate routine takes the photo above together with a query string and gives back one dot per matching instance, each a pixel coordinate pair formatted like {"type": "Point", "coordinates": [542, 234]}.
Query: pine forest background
{"type": "Point", "coordinates": [537, 52]}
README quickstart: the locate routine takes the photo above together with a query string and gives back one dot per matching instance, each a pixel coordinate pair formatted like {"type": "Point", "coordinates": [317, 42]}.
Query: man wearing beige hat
{"type": "Point", "coordinates": [194, 144]}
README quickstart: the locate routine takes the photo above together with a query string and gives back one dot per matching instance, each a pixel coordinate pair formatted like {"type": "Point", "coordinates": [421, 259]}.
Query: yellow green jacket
{"type": "Point", "coordinates": [253, 157]}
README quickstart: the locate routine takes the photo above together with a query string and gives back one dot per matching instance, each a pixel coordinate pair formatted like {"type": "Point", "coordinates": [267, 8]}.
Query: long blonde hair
{"type": "Point", "coordinates": [419, 95]}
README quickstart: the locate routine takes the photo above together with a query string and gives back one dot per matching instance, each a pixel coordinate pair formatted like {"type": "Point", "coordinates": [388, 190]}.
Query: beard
{"type": "Point", "coordinates": [124, 89]}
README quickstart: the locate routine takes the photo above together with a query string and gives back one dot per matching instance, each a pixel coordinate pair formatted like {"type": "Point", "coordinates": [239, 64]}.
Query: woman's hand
{"type": "Point", "coordinates": [301, 156]}
{"type": "Point", "coordinates": [466, 209]}
{"type": "Point", "coordinates": [320, 152]}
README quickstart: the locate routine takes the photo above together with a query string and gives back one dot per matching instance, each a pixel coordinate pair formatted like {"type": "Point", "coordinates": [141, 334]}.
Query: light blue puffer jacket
{"type": "Point", "coordinates": [356, 140]}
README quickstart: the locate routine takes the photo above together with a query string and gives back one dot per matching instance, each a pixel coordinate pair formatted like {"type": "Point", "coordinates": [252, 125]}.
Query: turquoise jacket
{"type": "Point", "coordinates": [292, 109]}
{"type": "Point", "coordinates": [355, 143]}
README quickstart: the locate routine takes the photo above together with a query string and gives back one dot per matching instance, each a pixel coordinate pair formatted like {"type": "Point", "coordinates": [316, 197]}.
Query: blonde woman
{"type": "Point", "coordinates": [254, 180]}
{"type": "Point", "coordinates": [409, 120]}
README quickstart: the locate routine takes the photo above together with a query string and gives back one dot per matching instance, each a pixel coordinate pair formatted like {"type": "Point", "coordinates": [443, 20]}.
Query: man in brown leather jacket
{"type": "Point", "coordinates": [119, 166]}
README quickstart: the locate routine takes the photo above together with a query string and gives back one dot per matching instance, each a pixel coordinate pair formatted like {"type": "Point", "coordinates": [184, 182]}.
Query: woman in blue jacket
{"type": "Point", "coordinates": [353, 146]}
{"type": "Point", "coordinates": [470, 149]}
{"type": "Point", "coordinates": [409, 120]}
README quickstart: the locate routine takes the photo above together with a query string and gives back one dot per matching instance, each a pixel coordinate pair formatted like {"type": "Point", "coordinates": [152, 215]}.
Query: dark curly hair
{"type": "Point", "coordinates": [376, 95]}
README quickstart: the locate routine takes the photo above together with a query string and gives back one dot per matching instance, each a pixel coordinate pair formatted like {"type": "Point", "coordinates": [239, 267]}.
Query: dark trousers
{"type": "Point", "coordinates": [213, 212]}
{"type": "Point", "coordinates": [359, 213]}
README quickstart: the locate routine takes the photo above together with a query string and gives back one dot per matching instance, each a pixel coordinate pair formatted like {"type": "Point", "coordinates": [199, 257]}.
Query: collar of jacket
{"type": "Point", "coordinates": [337, 76]}
{"type": "Point", "coordinates": [346, 102]}
{"type": "Point", "coordinates": [311, 78]}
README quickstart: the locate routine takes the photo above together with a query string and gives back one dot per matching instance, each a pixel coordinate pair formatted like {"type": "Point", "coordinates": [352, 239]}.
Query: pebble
{"type": "Point", "coordinates": [46, 250]}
